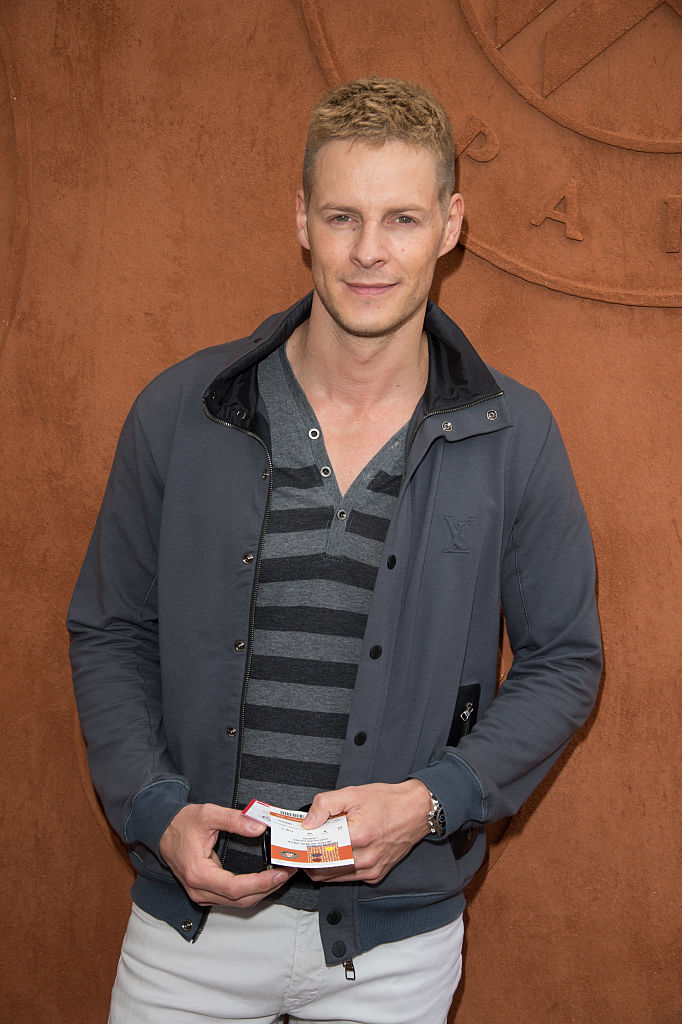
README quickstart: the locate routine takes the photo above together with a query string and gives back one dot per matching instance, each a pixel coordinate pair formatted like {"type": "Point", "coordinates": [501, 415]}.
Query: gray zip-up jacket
{"type": "Point", "coordinates": [162, 620]}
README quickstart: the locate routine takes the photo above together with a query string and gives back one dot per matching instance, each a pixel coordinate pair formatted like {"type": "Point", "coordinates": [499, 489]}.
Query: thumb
{"type": "Point", "coordinates": [323, 807]}
{"type": "Point", "coordinates": [227, 819]}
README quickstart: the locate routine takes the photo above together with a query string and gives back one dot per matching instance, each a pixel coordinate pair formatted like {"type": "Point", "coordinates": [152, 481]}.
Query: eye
{"type": "Point", "coordinates": [405, 219]}
{"type": "Point", "coordinates": [341, 218]}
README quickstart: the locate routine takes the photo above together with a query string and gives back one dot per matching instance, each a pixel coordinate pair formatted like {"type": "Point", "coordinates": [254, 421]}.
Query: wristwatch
{"type": "Point", "coordinates": [436, 817]}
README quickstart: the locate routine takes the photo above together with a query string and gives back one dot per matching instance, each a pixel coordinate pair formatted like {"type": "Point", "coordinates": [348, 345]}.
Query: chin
{"type": "Point", "coordinates": [375, 327]}
{"type": "Point", "coordinates": [365, 329]}
{"type": "Point", "coordinates": [369, 326]}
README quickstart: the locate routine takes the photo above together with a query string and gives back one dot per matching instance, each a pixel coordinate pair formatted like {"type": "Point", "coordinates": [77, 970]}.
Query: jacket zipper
{"type": "Point", "coordinates": [466, 715]}
{"type": "Point", "coordinates": [447, 412]}
{"type": "Point", "coordinates": [249, 649]}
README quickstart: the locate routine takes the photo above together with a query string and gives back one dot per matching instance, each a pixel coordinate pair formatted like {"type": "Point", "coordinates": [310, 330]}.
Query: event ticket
{"type": "Point", "coordinates": [290, 844]}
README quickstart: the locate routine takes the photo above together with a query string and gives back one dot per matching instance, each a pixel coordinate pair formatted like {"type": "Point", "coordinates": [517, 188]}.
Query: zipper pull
{"type": "Point", "coordinates": [349, 967]}
{"type": "Point", "coordinates": [467, 711]}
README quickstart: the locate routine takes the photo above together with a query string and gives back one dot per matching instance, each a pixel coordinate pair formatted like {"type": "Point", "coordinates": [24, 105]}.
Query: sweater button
{"type": "Point", "coordinates": [339, 949]}
{"type": "Point", "coordinates": [333, 917]}
{"type": "Point", "coordinates": [239, 645]}
{"type": "Point", "coordinates": [375, 652]}
{"type": "Point", "coordinates": [231, 731]}
{"type": "Point", "coordinates": [247, 558]}
{"type": "Point", "coordinates": [186, 926]}
{"type": "Point", "coordinates": [391, 561]}
{"type": "Point", "coordinates": [360, 739]}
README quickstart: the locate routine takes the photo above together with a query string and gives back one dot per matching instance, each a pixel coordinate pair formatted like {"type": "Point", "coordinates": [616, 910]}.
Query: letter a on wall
{"type": "Point", "coordinates": [569, 216]}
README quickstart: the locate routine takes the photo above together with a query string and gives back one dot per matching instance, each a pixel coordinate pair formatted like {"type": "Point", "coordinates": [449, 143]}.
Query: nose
{"type": "Point", "coordinates": [369, 248]}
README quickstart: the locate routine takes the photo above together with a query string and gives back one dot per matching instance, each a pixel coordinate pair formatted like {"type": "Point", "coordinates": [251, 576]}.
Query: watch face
{"type": "Point", "coordinates": [437, 818]}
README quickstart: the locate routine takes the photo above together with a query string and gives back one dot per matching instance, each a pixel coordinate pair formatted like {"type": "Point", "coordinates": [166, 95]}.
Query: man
{"type": "Point", "coordinates": [293, 593]}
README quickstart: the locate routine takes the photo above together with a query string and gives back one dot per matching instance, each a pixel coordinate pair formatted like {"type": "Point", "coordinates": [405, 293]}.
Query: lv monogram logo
{"type": "Point", "coordinates": [460, 534]}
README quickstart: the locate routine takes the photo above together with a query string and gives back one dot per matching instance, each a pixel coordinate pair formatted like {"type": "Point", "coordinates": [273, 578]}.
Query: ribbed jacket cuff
{"type": "Point", "coordinates": [152, 811]}
{"type": "Point", "coordinates": [454, 782]}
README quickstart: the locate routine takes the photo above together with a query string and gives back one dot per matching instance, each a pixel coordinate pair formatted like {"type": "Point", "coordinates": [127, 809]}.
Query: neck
{"type": "Point", "coordinates": [335, 367]}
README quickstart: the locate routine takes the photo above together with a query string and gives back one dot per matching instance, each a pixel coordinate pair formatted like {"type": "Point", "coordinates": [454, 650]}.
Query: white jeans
{"type": "Point", "coordinates": [256, 965]}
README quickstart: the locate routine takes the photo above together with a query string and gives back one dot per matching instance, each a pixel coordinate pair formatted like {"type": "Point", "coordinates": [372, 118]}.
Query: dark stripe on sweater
{"type": "Point", "coordinates": [383, 483]}
{"type": "Point", "coordinates": [295, 520]}
{"type": "Point", "coordinates": [319, 567]}
{"type": "Point", "coordinates": [289, 772]}
{"type": "Point", "coordinates": [371, 527]}
{"type": "Point", "coordinates": [303, 670]}
{"type": "Point", "coordinates": [303, 619]}
{"type": "Point", "coordinates": [303, 723]}
{"type": "Point", "coordinates": [299, 477]}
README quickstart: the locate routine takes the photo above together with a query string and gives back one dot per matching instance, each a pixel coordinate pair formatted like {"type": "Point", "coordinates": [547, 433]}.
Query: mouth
{"type": "Point", "coordinates": [368, 290]}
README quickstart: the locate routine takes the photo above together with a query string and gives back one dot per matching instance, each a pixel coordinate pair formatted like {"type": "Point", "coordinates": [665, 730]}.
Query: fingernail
{"type": "Point", "coordinates": [280, 877]}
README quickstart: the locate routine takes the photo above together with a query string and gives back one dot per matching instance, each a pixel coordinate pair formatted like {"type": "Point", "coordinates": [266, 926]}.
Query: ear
{"type": "Point", "coordinates": [302, 220]}
{"type": "Point", "coordinates": [453, 224]}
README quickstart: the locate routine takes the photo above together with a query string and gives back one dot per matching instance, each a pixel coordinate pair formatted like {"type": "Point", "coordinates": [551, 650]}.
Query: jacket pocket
{"type": "Point", "coordinates": [463, 721]}
{"type": "Point", "coordinates": [465, 713]}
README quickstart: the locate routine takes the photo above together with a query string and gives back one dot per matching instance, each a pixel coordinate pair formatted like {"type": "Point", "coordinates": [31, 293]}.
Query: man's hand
{"type": "Point", "coordinates": [187, 848]}
{"type": "Point", "coordinates": [384, 822]}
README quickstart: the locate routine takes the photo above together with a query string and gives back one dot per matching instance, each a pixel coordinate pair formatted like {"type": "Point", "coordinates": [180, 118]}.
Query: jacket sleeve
{"type": "Point", "coordinates": [548, 597]}
{"type": "Point", "coordinates": [113, 622]}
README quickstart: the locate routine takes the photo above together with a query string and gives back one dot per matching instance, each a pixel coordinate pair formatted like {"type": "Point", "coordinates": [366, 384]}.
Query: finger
{"type": "Point", "coordinates": [337, 875]}
{"type": "Point", "coordinates": [227, 819]}
{"type": "Point", "coordinates": [329, 875]}
{"type": "Point", "coordinates": [236, 887]}
{"type": "Point", "coordinates": [326, 805]}
{"type": "Point", "coordinates": [215, 885]}
{"type": "Point", "coordinates": [341, 877]}
{"type": "Point", "coordinates": [368, 875]}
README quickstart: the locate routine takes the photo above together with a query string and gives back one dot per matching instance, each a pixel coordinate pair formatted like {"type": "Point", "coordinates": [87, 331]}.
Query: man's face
{"type": "Point", "coordinates": [375, 226]}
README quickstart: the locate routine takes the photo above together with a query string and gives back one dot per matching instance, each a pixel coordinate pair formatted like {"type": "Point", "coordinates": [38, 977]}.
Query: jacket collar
{"type": "Point", "coordinates": [458, 377]}
{"type": "Point", "coordinates": [457, 374]}
{"type": "Point", "coordinates": [232, 396]}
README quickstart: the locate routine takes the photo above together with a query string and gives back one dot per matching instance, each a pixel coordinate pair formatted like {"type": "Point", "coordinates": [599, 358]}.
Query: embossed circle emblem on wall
{"type": "Point", "coordinates": [568, 123]}
{"type": "Point", "coordinates": [540, 46]}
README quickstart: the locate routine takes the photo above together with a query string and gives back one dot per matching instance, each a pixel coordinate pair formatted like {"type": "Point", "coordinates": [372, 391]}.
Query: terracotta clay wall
{"type": "Point", "coordinates": [149, 154]}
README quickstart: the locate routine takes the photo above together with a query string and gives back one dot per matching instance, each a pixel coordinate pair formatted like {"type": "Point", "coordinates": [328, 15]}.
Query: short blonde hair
{"type": "Point", "coordinates": [377, 110]}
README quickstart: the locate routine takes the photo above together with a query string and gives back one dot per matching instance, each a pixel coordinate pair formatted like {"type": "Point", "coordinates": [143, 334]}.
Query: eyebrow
{"type": "Point", "coordinates": [342, 208]}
